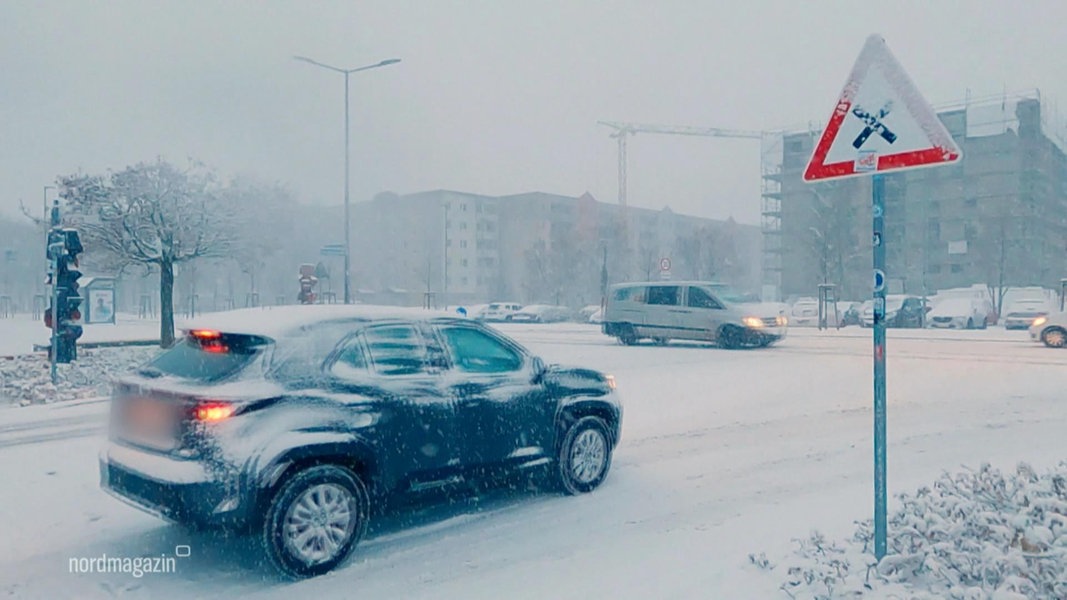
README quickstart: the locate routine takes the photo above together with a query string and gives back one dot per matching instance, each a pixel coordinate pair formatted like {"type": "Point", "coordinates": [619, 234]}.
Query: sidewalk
{"type": "Point", "coordinates": [19, 333]}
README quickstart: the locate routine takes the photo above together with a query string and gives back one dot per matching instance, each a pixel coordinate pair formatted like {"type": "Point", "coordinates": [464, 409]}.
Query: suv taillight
{"type": "Point", "coordinates": [212, 412]}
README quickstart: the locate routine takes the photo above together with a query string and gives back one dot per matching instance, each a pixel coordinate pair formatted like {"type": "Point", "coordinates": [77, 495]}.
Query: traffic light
{"type": "Point", "coordinates": [307, 284]}
{"type": "Point", "coordinates": [68, 301]}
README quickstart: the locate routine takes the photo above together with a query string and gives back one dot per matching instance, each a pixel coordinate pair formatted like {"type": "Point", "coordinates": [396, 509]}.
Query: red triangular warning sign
{"type": "Point", "coordinates": [881, 123]}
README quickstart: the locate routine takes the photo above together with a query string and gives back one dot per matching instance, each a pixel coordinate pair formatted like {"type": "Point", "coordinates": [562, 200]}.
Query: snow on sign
{"type": "Point", "coordinates": [881, 123]}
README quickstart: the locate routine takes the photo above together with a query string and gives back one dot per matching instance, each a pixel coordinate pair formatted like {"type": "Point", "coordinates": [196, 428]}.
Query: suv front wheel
{"type": "Point", "coordinates": [314, 520]}
{"type": "Point", "coordinates": [584, 456]}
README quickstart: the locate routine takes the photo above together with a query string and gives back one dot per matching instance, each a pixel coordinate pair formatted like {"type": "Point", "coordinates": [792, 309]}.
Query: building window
{"type": "Point", "coordinates": [933, 269]}
{"type": "Point", "coordinates": [933, 228]}
{"type": "Point", "coordinates": [463, 207]}
{"type": "Point", "coordinates": [970, 202]}
{"type": "Point", "coordinates": [448, 243]}
{"type": "Point", "coordinates": [463, 225]}
{"type": "Point", "coordinates": [463, 243]}
{"type": "Point", "coordinates": [463, 262]}
{"type": "Point", "coordinates": [463, 280]}
{"type": "Point", "coordinates": [448, 223]}
{"type": "Point", "coordinates": [957, 268]}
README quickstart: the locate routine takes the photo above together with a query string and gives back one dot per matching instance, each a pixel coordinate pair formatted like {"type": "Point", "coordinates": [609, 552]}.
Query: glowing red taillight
{"type": "Point", "coordinates": [205, 334]}
{"type": "Point", "coordinates": [211, 412]}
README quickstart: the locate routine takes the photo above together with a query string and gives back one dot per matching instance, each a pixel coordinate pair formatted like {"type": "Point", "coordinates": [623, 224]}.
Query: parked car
{"type": "Point", "coordinates": [958, 313]}
{"type": "Point", "coordinates": [1050, 330]}
{"type": "Point", "coordinates": [851, 313]}
{"type": "Point", "coordinates": [900, 311]}
{"type": "Point", "coordinates": [690, 310]}
{"type": "Point", "coordinates": [586, 312]}
{"type": "Point", "coordinates": [300, 422]}
{"type": "Point", "coordinates": [1021, 314]}
{"type": "Point", "coordinates": [542, 313]}
{"type": "Point", "coordinates": [597, 317]}
{"type": "Point", "coordinates": [804, 313]}
{"type": "Point", "coordinates": [499, 311]}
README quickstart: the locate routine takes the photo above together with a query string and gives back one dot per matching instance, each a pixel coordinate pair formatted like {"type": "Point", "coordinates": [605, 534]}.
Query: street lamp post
{"type": "Point", "coordinates": [348, 224]}
{"type": "Point", "coordinates": [44, 222]}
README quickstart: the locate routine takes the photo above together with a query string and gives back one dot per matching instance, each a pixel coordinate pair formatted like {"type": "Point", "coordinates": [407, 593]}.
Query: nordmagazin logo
{"type": "Point", "coordinates": [136, 566]}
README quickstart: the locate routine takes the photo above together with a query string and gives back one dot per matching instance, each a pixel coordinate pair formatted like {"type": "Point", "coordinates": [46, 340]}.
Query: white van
{"type": "Point", "coordinates": [690, 310]}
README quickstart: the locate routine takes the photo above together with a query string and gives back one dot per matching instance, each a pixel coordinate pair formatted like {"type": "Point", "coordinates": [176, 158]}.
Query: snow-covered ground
{"type": "Point", "coordinates": [19, 334]}
{"type": "Point", "coordinates": [723, 454]}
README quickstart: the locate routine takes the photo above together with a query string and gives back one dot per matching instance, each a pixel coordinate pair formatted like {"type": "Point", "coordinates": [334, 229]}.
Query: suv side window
{"type": "Point", "coordinates": [350, 360]}
{"type": "Point", "coordinates": [303, 351]}
{"type": "Point", "coordinates": [475, 351]}
{"type": "Point", "coordinates": [663, 295]}
{"type": "Point", "coordinates": [395, 349]}
{"type": "Point", "coordinates": [698, 298]}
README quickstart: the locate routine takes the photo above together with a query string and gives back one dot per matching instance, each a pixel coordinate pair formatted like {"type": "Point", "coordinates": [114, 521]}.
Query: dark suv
{"type": "Point", "coordinates": [296, 421]}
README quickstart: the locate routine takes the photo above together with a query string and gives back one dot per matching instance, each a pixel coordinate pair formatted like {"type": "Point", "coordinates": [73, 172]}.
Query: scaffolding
{"type": "Point", "coordinates": [974, 117]}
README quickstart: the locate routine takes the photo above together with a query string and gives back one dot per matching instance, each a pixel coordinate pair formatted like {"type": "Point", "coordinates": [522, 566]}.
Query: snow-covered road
{"type": "Point", "coordinates": [723, 453]}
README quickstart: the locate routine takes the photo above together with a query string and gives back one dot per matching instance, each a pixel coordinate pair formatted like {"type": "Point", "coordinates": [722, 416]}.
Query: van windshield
{"type": "Point", "coordinates": [726, 293]}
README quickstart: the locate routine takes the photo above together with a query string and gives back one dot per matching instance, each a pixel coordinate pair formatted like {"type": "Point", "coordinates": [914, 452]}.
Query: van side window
{"type": "Point", "coordinates": [629, 294]}
{"type": "Point", "coordinates": [698, 298]}
{"type": "Point", "coordinates": [663, 295]}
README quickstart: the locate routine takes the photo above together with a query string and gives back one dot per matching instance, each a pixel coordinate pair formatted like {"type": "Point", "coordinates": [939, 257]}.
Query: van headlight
{"type": "Point", "coordinates": [782, 321]}
{"type": "Point", "coordinates": [753, 322]}
{"type": "Point", "coordinates": [1038, 322]}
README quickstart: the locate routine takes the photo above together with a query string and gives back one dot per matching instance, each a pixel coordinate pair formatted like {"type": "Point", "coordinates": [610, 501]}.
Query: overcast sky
{"type": "Point", "coordinates": [493, 97]}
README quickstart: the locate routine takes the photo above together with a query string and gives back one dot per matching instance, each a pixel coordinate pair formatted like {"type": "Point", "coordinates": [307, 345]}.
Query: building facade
{"type": "Point", "coordinates": [454, 247]}
{"type": "Point", "coordinates": [998, 217]}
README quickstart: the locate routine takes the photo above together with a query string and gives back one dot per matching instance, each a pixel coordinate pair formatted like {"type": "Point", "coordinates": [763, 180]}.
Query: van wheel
{"type": "Point", "coordinates": [627, 334]}
{"type": "Point", "coordinates": [660, 341]}
{"type": "Point", "coordinates": [730, 338]}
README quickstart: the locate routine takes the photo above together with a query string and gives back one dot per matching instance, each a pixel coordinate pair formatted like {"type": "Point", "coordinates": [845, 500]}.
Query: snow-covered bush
{"type": "Point", "coordinates": [26, 379]}
{"type": "Point", "coordinates": [974, 535]}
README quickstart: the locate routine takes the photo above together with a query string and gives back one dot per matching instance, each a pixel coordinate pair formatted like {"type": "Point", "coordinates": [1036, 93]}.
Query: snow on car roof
{"type": "Point", "coordinates": [276, 321]}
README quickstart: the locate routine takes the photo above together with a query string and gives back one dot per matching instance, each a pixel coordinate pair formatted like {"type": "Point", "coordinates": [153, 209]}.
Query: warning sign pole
{"type": "Point", "coordinates": [880, 499]}
{"type": "Point", "coordinates": [880, 123]}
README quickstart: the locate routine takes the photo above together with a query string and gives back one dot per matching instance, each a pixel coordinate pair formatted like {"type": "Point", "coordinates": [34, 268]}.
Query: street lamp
{"type": "Point", "coordinates": [45, 220]}
{"type": "Point", "coordinates": [348, 225]}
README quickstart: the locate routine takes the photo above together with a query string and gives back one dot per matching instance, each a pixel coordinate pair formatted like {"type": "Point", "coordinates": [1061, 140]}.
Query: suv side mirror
{"type": "Point", "coordinates": [539, 370]}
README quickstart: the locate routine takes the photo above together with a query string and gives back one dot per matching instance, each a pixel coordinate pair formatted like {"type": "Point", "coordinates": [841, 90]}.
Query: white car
{"type": "Point", "coordinates": [805, 313]}
{"type": "Point", "coordinates": [586, 312]}
{"type": "Point", "coordinates": [541, 313]}
{"type": "Point", "coordinates": [597, 317]}
{"type": "Point", "coordinates": [499, 311]}
{"type": "Point", "coordinates": [1051, 330]}
{"type": "Point", "coordinates": [958, 313]}
{"type": "Point", "coordinates": [1021, 314]}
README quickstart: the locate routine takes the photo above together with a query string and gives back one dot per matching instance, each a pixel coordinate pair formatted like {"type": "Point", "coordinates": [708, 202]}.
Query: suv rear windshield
{"type": "Point", "coordinates": [206, 358]}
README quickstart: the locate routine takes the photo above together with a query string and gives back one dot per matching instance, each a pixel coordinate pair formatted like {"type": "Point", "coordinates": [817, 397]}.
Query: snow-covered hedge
{"type": "Point", "coordinates": [974, 535]}
{"type": "Point", "coordinates": [26, 379]}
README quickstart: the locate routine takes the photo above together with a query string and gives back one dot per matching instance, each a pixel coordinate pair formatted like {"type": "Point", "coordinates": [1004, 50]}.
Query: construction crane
{"type": "Point", "coordinates": [623, 130]}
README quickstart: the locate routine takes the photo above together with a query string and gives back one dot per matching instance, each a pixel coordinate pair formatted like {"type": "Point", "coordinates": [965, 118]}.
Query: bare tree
{"type": "Point", "coordinates": [155, 215]}
{"type": "Point", "coordinates": [998, 253]}
{"type": "Point", "coordinates": [832, 241]}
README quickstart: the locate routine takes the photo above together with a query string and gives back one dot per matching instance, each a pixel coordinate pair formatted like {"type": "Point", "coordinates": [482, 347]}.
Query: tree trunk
{"type": "Point", "coordinates": [166, 303]}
